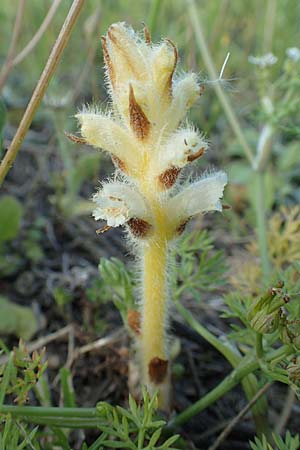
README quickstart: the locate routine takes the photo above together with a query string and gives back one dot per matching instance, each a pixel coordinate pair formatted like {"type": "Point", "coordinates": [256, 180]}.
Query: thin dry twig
{"type": "Point", "coordinates": [91, 52]}
{"type": "Point", "coordinates": [99, 343]}
{"type": "Point", "coordinates": [224, 100]}
{"type": "Point", "coordinates": [43, 341]}
{"type": "Point", "coordinates": [38, 35]}
{"type": "Point", "coordinates": [238, 417]}
{"type": "Point", "coordinates": [8, 63]}
{"type": "Point", "coordinates": [286, 411]}
{"type": "Point", "coordinates": [41, 87]}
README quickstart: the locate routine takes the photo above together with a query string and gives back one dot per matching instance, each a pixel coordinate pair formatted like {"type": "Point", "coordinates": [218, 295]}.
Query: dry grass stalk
{"type": "Point", "coordinates": [41, 87]}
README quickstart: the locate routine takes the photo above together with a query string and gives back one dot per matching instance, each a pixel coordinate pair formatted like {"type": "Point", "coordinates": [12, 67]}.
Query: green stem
{"type": "Point", "coordinates": [231, 355]}
{"type": "Point", "coordinates": [246, 367]}
{"type": "Point", "coordinates": [269, 25]}
{"type": "Point", "coordinates": [41, 411]}
{"type": "Point", "coordinates": [261, 224]}
{"type": "Point", "coordinates": [154, 14]}
{"type": "Point", "coordinates": [259, 346]}
{"type": "Point", "coordinates": [51, 416]}
{"type": "Point", "coordinates": [208, 61]}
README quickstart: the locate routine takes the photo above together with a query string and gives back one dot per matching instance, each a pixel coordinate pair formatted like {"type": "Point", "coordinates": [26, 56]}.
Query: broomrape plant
{"type": "Point", "coordinates": [150, 147]}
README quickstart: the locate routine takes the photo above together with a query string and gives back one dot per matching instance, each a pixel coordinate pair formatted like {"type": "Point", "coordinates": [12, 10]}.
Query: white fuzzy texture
{"type": "Point", "coordinates": [179, 147]}
{"type": "Point", "coordinates": [263, 61]}
{"type": "Point", "coordinates": [202, 196]}
{"type": "Point", "coordinates": [117, 203]}
{"type": "Point", "coordinates": [185, 92]}
{"type": "Point", "coordinates": [102, 131]}
{"type": "Point", "coordinates": [293, 53]}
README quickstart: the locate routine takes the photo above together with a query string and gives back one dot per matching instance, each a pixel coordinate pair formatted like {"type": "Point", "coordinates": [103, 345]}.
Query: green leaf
{"type": "Point", "coordinates": [10, 218]}
{"type": "Point", "coordinates": [115, 444]}
{"type": "Point", "coordinates": [154, 438]}
{"type": "Point", "coordinates": [5, 379]}
{"type": "Point", "coordinates": [67, 388]}
{"type": "Point", "coordinates": [16, 319]}
{"type": "Point", "coordinates": [87, 167]}
{"type": "Point", "coordinates": [171, 440]}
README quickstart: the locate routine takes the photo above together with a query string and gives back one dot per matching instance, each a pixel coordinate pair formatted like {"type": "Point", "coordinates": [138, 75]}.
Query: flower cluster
{"type": "Point", "coordinates": [144, 136]}
{"type": "Point", "coordinates": [150, 147]}
{"type": "Point", "coordinates": [293, 53]}
{"type": "Point", "coordinates": [263, 61]}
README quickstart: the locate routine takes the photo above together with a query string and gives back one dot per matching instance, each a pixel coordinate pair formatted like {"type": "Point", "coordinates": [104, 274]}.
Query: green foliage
{"type": "Point", "coordinates": [10, 218]}
{"type": "Point", "coordinates": [22, 373]}
{"type": "Point", "coordinates": [138, 428]}
{"type": "Point", "coordinates": [116, 284]}
{"type": "Point", "coordinates": [33, 240]}
{"type": "Point", "coordinates": [198, 266]}
{"type": "Point", "coordinates": [62, 296]}
{"type": "Point", "coordinates": [2, 123]}
{"type": "Point", "coordinates": [288, 443]}
{"type": "Point", "coordinates": [67, 389]}
{"type": "Point", "coordinates": [29, 248]}
{"type": "Point", "coordinates": [17, 320]}
{"type": "Point", "coordinates": [13, 436]}
{"type": "Point", "coordinates": [85, 168]}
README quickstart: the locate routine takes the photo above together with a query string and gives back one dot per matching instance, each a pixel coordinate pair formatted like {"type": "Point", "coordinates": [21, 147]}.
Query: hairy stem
{"type": "Point", "coordinates": [153, 327]}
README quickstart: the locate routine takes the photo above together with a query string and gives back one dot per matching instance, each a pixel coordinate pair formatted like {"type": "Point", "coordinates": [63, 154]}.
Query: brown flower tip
{"type": "Point", "coordinates": [175, 64]}
{"type": "Point", "coordinates": [201, 90]}
{"type": "Point", "coordinates": [119, 163]}
{"type": "Point", "coordinates": [108, 61]}
{"type": "Point", "coordinates": [76, 139]}
{"type": "Point", "coordinates": [158, 369]}
{"type": "Point", "coordinates": [225, 206]}
{"type": "Point", "coordinates": [134, 321]}
{"type": "Point", "coordinates": [139, 122]}
{"type": "Point", "coordinates": [147, 35]}
{"type": "Point", "coordinates": [169, 177]}
{"type": "Point", "coordinates": [103, 229]}
{"type": "Point", "coordinates": [180, 229]}
{"type": "Point", "coordinates": [139, 227]}
{"type": "Point", "coordinates": [196, 155]}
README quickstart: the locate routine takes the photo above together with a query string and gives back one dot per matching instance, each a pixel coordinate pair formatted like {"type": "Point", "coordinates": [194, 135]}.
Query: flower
{"type": "Point", "coordinates": [145, 139]}
{"type": "Point", "coordinates": [117, 203]}
{"type": "Point", "coordinates": [263, 61]}
{"type": "Point", "coordinates": [199, 197]}
{"type": "Point", "coordinates": [293, 53]}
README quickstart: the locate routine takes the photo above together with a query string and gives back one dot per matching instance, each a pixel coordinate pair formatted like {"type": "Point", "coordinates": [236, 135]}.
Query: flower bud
{"type": "Point", "coordinates": [293, 370]}
{"type": "Point", "coordinates": [265, 323]}
{"type": "Point", "coordinates": [125, 53]}
{"type": "Point", "coordinates": [185, 92]}
{"type": "Point", "coordinates": [163, 67]}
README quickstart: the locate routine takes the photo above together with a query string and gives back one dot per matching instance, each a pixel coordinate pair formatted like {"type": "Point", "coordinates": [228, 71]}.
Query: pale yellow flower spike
{"type": "Point", "coordinates": [149, 150]}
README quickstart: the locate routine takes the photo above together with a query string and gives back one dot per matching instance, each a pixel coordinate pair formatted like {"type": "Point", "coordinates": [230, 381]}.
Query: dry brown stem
{"type": "Point", "coordinates": [41, 87]}
{"type": "Point", "coordinates": [38, 35]}
{"type": "Point", "coordinates": [8, 63]}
